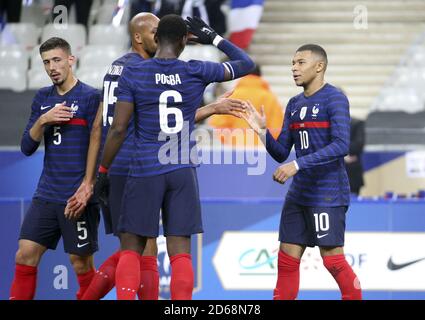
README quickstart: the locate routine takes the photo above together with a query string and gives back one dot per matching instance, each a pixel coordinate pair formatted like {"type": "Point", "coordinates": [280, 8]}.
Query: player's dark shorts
{"type": "Point", "coordinates": [312, 226]}
{"type": "Point", "coordinates": [175, 192]}
{"type": "Point", "coordinates": [45, 223]}
{"type": "Point", "coordinates": [111, 214]}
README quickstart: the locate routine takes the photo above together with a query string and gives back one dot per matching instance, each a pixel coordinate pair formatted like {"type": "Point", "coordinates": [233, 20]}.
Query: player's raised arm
{"type": "Point", "coordinates": [339, 114]}
{"type": "Point", "coordinates": [279, 149]}
{"type": "Point", "coordinates": [240, 63]}
{"type": "Point", "coordinates": [35, 128]}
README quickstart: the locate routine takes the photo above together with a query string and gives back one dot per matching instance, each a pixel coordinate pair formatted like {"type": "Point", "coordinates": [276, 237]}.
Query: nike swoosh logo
{"type": "Point", "coordinates": [394, 266]}
{"type": "Point", "coordinates": [42, 108]}
{"type": "Point", "coordinates": [321, 236]}
{"type": "Point", "coordinates": [82, 245]}
{"type": "Point", "coordinates": [293, 112]}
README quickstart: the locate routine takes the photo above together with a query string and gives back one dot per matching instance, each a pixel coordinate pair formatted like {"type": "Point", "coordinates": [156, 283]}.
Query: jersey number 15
{"type": "Point", "coordinates": [108, 99]}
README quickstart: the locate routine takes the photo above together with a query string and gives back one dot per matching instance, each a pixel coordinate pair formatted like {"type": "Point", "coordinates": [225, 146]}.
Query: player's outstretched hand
{"type": "Point", "coordinates": [77, 203]}
{"type": "Point", "coordinates": [59, 113]}
{"type": "Point", "coordinates": [204, 33]}
{"type": "Point", "coordinates": [101, 188]}
{"type": "Point", "coordinates": [226, 105]}
{"type": "Point", "coordinates": [256, 120]}
{"type": "Point", "coordinates": [284, 172]}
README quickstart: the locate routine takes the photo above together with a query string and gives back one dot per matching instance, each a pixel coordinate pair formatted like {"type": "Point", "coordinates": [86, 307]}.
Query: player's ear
{"type": "Point", "coordinates": [320, 67]}
{"type": "Point", "coordinates": [184, 41]}
{"type": "Point", "coordinates": [72, 60]}
{"type": "Point", "coordinates": [138, 37]}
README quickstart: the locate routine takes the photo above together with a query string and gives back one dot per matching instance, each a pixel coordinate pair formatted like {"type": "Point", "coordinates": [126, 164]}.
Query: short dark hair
{"type": "Point", "coordinates": [171, 27]}
{"type": "Point", "coordinates": [316, 49]}
{"type": "Point", "coordinates": [54, 43]}
{"type": "Point", "coordinates": [257, 70]}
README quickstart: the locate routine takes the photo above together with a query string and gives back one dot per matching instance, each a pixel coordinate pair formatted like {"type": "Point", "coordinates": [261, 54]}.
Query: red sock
{"type": "Point", "coordinates": [127, 276]}
{"type": "Point", "coordinates": [104, 279]}
{"type": "Point", "coordinates": [149, 278]}
{"type": "Point", "coordinates": [84, 282]}
{"type": "Point", "coordinates": [24, 283]}
{"type": "Point", "coordinates": [182, 278]}
{"type": "Point", "coordinates": [344, 275]}
{"type": "Point", "coordinates": [288, 277]}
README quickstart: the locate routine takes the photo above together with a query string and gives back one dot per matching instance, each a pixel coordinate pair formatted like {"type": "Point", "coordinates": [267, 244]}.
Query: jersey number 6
{"type": "Point", "coordinates": [164, 112]}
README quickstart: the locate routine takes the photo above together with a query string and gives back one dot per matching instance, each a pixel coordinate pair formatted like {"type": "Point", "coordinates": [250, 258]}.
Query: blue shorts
{"type": "Point", "coordinates": [111, 214]}
{"type": "Point", "coordinates": [176, 193]}
{"type": "Point", "coordinates": [45, 223]}
{"type": "Point", "coordinates": [312, 226]}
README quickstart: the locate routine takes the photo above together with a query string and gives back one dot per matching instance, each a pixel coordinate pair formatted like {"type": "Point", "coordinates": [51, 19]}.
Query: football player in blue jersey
{"type": "Point", "coordinates": [164, 94]}
{"type": "Point", "coordinates": [317, 123]}
{"type": "Point", "coordinates": [143, 27]}
{"type": "Point", "coordinates": [63, 114]}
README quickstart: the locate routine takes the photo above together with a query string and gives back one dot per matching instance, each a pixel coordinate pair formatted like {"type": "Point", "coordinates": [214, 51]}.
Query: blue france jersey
{"type": "Point", "coordinates": [121, 164]}
{"type": "Point", "coordinates": [165, 94]}
{"type": "Point", "coordinates": [66, 144]}
{"type": "Point", "coordinates": [319, 127]}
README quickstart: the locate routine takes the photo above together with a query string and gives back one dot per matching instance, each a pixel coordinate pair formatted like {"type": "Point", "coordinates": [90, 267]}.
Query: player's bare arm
{"type": "Point", "coordinates": [117, 132]}
{"type": "Point", "coordinates": [59, 113]}
{"type": "Point", "coordinates": [284, 172]}
{"type": "Point", "coordinates": [223, 105]}
{"type": "Point", "coordinates": [256, 120]}
{"type": "Point", "coordinates": [116, 136]}
{"type": "Point", "coordinates": [77, 203]}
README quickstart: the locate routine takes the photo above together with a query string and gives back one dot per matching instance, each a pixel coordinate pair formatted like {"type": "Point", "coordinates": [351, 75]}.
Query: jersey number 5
{"type": "Point", "coordinates": [164, 112]}
{"type": "Point", "coordinates": [57, 135]}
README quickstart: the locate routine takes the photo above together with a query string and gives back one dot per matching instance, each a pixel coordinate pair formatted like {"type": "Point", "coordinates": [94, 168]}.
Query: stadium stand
{"type": "Point", "coordinates": [361, 59]}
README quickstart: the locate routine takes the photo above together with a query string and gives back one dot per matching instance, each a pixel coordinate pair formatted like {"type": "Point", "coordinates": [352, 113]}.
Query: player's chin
{"type": "Point", "coordinates": [298, 82]}
{"type": "Point", "coordinates": [57, 81]}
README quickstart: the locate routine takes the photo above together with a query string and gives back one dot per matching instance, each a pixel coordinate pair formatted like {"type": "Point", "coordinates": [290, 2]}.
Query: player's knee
{"type": "Point", "coordinates": [27, 256]}
{"type": "Point", "coordinates": [177, 245]}
{"type": "Point", "coordinates": [151, 248]}
{"type": "Point", "coordinates": [81, 264]}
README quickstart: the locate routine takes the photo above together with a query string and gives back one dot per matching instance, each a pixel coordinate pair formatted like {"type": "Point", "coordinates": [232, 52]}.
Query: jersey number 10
{"type": "Point", "coordinates": [304, 139]}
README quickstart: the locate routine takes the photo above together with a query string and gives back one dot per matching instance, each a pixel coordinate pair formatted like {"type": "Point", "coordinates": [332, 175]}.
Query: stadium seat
{"type": "Point", "coordinates": [92, 76]}
{"type": "Point", "coordinates": [75, 34]}
{"type": "Point", "coordinates": [36, 12]}
{"type": "Point", "coordinates": [400, 99]}
{"type": "Point", "coordinates": [25, 34]}
{"type": "Point", "coordinates": [102, 34]}
{"type": "Point", "coordinates": [413, 78]}
{"type": "Point", "coordinates": [13, 55]}
{"type": "Point", "coordinates": [198, 52]}
{"type": "Point", "coordinates": [35, 59]}
{"type": "Point", "coordinates": [97, 55]}
{"type": "Point", "coordinates": [38, 79]}
{"type": "Point", "coordinates": [418, 58]}
{"type": "Point", "coordinates": [105, 12]}
{"type": "Point", "coordinates": [13, 78]}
